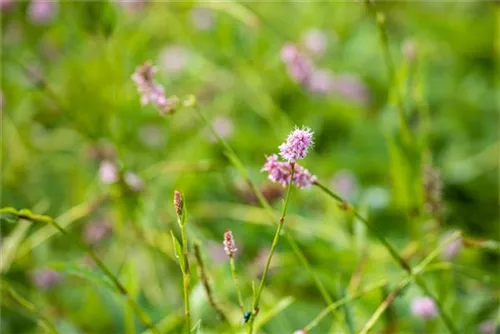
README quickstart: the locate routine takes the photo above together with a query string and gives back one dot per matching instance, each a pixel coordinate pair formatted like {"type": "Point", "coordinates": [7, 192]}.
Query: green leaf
{"type": "Point", "coordinates": [178, 250]}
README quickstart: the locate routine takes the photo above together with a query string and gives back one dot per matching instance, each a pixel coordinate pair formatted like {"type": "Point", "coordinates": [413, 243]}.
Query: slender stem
{"type": "Point", "coordinates": [389, 63]}
{"type": "Point", "coordinates": [206, 285]}
{"type": "Point", "coordinates": [267, 207]}
{"type": "Point", "coordinates": [236, 283]}
{"type": "Point", "coordinates": [28, 215]}
{"type": "Point", "coordinates": [392, 251]}
{"type": "Point", "coordinates": [186, 274]}
{"type": "Point", "coordinates": [407, 280]}
{"type": "Point", "coordinates": [255, 308]}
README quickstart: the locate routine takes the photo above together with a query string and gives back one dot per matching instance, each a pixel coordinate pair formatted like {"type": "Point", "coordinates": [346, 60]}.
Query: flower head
{"type": "Point", "coordinates": [150, 91]}
{"type": "Point", "coordinates": [45, 278]}
{"type": "Point", "coordinates": [133, 181]}
{"type": "Point", "coordinates": [96, 231]}
{"type": "Point", "coordinates": [281, 172]}
{"type": "Point", "coordinates": [42, 11]}
{"type": "Point", "coordinates": [424, 307]}
{"type": "Point", "coordinates": [229, 244]}
{"type": "Point", "coordinates": [299, 66]}
{"type": "Point", "coordinates": [108, 172]}
{"type": "Point", "coordinates": [178, 203]}
{"type": "Point", "coordinates": [453, 248]}
{"type": "Point", "coordinates": [297, 144]}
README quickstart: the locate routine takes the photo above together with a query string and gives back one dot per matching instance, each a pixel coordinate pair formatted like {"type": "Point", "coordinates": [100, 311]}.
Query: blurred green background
{"type": "Point", "coordinates": [69, 104]}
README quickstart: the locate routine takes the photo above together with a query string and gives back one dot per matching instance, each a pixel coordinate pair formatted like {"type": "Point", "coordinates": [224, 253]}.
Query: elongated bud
{"type": "Point", "coordinates": [229, 244]}
{"type": "Point", "coordinates": [178, 203]}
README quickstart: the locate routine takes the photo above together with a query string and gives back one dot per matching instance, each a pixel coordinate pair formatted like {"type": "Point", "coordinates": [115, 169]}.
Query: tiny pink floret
{"type": "Point", "coordinates": [297, 144]}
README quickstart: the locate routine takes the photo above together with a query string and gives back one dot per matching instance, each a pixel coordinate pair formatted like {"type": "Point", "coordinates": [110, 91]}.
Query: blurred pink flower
{"type": "Point", "coordinates": [45, 278]}
{"type": "Point", "coordinates": [351, 88]}
{"type": "Point", "coordinates": [315, 41]}
{"type": "Point", "coordinates": [131, 6]}
{"type": "Point", "coordinates": [42, 11]}
{"type": "Point", "coordinates": [202, 18]}
{"type": "Point", "coordinates": [297, 144]}
{"type": "Point", "coordinates": [424, 307]}
{"type": "Point", "coordinates": [345, 183]}
{"type": "Point", "coordinates": [150, 91]}
{"type": "Point", "coordinates": [6, 5]}
{"type": "Point", "coordinates": [321, 82]}
{"type": "Point", "coordinates": [223, 126]}
{"type": "Point", "coordinates": [133, 181]}
{"type": "Point", "coordinates": [174, 59]}
{"type": "Point", "coordinates": [453, 249]}
{"type": "Point", "coordinates": [108, 172]}
{"type": "Point", "coordinates": [299, 66]}
{"type": "Point", "coordinates": [300, 331]}
{"type": "Point", "coordinates": [488, 327]}
{"type": "Point", "coordinates": [96, 231]}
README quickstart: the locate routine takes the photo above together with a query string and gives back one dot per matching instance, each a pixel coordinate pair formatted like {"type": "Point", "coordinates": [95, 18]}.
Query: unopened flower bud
{"type": "Point", "coordinates": [229, 244]}
{"type": "Point", "coordinates": [178, 203]}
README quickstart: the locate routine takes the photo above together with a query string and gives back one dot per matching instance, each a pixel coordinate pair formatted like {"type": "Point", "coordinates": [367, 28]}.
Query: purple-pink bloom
{"type": "Point", "coordinates": [150, 91]}
{"type": "Point", "coordinates": [424, 307]}
{"type": "Point", "coordinates": [6, 5]}
{"type": "Point", "coordinates": [453, 248]}
{"type": "Point", "coordinates": [42, 11]}
{"type": "Point", "coordinates": [315, 41]}
{"type": "Point", "coordinates": [45, 278]}
{"type": "Point", "coordinates": [297, 144]}
{"type": "Point", "coordinates": [108, 172]}
{"type": "Point", "coordinates": [351, 88]}
{"type": "Point", "coordinates": [344, 181]}
{"type": "Point", "coordinates": [96, 231]}
{"type": "Point", "coordinates": [133, 181]}
{"type": "Point", "coordinates": [202, 18]}
{"type": "Point", "coordinates": [281, 172]}
{"type": "Point", "coordinates": [321, 82]}
{"type": "Point", "coordinates": [299, 66]}
{"type": "Point", "coordinates": [229, 243]}
{"type": "Point", "coordinates": [487, 327]}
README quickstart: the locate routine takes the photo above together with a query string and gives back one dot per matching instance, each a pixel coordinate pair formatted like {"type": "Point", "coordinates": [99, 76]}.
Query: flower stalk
{"type": "Point", "coordinates": [184, 263]}
{"type": "Point", "coordinates": [255, 307]}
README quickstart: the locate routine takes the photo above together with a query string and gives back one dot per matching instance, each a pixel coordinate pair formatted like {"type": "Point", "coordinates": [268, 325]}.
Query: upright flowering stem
{"type": "Point", "coordinates": [186, 273]}
{"type": "Point", "coordinates": [234, 159]}
{"type": "Point", "coordinates": [230, 249]}
{"type": "Point", "coordinates": [255, 307]}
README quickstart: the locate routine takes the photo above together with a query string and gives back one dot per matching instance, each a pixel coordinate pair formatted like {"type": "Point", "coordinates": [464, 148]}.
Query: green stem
{"type": "Point", "coordinates": [392, 251]}
{"type": "Point", "coordinates": [233, 158]}
{"type": "Point", "coordinates": [26, 214]}
{"type": "Point", "coordinates": [255, 307]}
{"type": "Point", "coordinates": [389, 63]}
{"type": "Point", "coordinates": [415, 275]}
{"type": "Point", "coordinates": [186, 274]}
{"type": "Point", "coordinates": [236, 283]}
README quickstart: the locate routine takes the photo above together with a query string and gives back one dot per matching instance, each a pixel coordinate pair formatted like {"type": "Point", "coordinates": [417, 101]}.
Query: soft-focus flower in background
{"type": "Point", "coordinates": [174, 58]}
{"type": "Point", "coordinates": [133, 181]}
{"type": "Point", "coordinates": [297, 144]}
{"type": "Point", "coordinates": [6, 5]}
{"type": "Point", "coordinates": [45, 278]}
{"type": "Point", "coordinates": [453, 249]}
{"type": "Point", "coordinates": [345, 183]}
{"type": "Point", "coordinates": [131, 6]}
{"type": "Point", "coordinates": [300, 331]}
{"type": "Point", "coordinates": [321, 82]}
{"type": "Point", "coordinates": [152, 92]}
{"type": "Point", "coordinates": [351, 88]}
{"type": "Point", "coordinates": [424, 307]}
{"type": "Point", "coordinates": [315, 41]}
{"type": "Point", "coordinates": [202, 18]}
{"type": "Point", "coordinates": [42, 11]}
{"type": "Point", "coordinates": [96, 231]}
{"type": "Point", "coordinates": [409, 50]}
{"type": "Point", "coordinates": [223, 126]}
{"type": "Point", "coordinates": [108, 172]}
{"type": "Point", "coordinates": [299, 66]}
{"type": "Point", "coordinates": [488, 327]}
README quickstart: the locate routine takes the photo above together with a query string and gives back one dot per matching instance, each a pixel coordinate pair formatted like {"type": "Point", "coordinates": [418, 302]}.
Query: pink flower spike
{"type": "Point", "coordinates": [297, 144]}
{"type": "Point", "coordinates": [281, 172]}
{"type": "Point", "coordinates": [229, 244]}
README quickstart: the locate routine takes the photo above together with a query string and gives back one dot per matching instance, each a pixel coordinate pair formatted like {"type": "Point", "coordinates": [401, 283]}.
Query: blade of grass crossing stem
{"type": "Point", "coordinates": [392, 251]}
{"type": "Point", "coordinates": [407, 280]}
{"type": "Point", "coordinates": [265, 204]}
